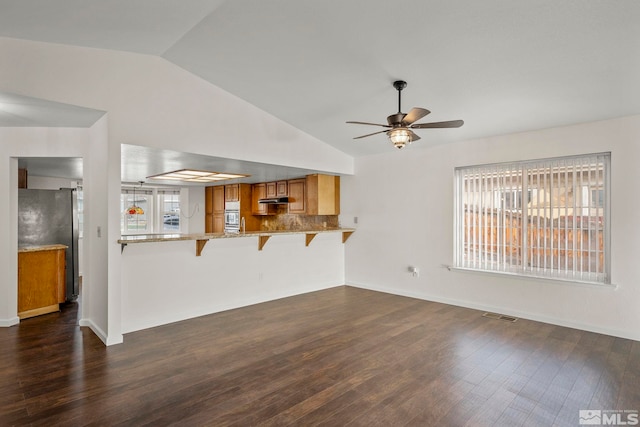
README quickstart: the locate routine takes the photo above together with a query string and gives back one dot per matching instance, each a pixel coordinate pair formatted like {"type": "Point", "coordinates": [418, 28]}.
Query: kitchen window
{"type": "Point", "coordinates": [169, 203]}
{"type": "Point", "coordinates": [542, 218]}
{"type": "Point", "coordinates": [159, 210]}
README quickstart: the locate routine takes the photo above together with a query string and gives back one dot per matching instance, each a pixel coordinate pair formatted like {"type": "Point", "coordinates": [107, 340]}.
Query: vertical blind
{"type": "Point", "coordinates": [543, 218]}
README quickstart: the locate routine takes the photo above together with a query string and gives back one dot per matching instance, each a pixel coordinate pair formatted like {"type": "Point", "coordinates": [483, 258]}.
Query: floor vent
{"type": "Point", "coordinates": [500, 317]}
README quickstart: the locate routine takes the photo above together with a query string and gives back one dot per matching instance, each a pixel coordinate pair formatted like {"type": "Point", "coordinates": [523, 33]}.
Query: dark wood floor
{"type": "Point", "coordinates": [343, 356]}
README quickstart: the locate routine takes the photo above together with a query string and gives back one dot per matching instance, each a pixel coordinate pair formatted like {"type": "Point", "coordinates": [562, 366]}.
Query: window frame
{"type": "Point", "coordinates": [154, 209]}
{"type": "Point", "coordinates": [567, 165]}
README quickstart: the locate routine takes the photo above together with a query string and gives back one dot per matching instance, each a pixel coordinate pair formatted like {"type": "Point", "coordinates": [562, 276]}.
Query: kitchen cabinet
{"type": "Point", "coordinates": [215, 199]}
{"type": "Point", "coordinates": [259, 191]}
{"type": "Point", "coordinates": [323, 194]}
{"type": "Point", "coordinates": [41, 279]}
{"type": "Point", "coordinates": [218, 224]}
{"type": "Point", "coordinates": [232, 193]}
{"type": "Point", "coordinates": [208, 210]}
{"type": "Point", "coordinates": [282, 189]}
{"type": "Point", "coordinates": [245, 197]}
{"type": "Point", "coordinates": [297, 198]}
{"type": "Point", "coordinates": [214, 209]}
{"type": "Point", "coordinates": [270, 190]}
{"type": "Point", "coordinates": [218, 199]}
{"type": "Point", "coordinates": [22, 178]}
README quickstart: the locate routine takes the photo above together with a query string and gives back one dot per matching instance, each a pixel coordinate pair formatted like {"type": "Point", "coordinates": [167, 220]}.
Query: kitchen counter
{"type": "Point", "coordinates": [202, 239]}
{"type": "Point", "coordinates": [24, 249]}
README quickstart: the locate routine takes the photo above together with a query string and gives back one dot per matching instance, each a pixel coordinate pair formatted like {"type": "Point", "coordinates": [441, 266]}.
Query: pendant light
{"type": "Point", "coordinates": [135, 209]}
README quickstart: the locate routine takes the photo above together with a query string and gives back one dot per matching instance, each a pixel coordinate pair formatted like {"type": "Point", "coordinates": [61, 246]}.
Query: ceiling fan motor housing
{"type": "Point", "coordinates": [395, 120]}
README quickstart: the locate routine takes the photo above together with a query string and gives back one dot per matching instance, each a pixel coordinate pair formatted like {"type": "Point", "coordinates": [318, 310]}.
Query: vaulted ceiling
{"type": "Point", "coordinates": [502, 66]}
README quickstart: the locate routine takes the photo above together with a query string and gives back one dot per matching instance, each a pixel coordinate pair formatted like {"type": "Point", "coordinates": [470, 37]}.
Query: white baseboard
{"type": "Point", "coordinates": [5, 323]}
{"type": "Point", "coordinates": [502, 310]}
{"type": "Point", "coordinates": [106, 339]}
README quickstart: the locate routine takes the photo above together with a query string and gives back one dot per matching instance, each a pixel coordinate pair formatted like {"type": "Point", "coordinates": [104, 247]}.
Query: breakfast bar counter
{"type": "Point", "coordinates": [202, 239]}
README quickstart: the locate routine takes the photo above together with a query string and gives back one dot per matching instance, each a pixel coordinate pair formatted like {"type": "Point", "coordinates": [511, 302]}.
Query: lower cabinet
{"type": "Point", "coordinates": [41, 280]}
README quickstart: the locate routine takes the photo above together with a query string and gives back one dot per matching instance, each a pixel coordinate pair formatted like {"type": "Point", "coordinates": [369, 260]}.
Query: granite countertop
{"type": "Point", "coordinates": [147, 238]}
{"type": "Point", "coordinates": [41, 248]}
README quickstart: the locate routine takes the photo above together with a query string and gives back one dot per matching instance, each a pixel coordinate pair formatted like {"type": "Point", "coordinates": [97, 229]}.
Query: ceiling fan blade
{"type": "Point", "coordinates": [414, 115]}
{"type": "Point", "coordinates": [370, 134]}
{"type": "Point", "coordinates": [449, 124]}
{"type": "Point", "coordinates": [372, 124]}
{"type": "Point", "coordinates": [414, 137]}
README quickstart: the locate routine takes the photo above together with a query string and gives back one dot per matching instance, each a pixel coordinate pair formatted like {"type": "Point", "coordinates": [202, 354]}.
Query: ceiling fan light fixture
{"type": "Point", "coordinates": [400, 137]}
{"type": "Point", "coordinates": [399, 125]}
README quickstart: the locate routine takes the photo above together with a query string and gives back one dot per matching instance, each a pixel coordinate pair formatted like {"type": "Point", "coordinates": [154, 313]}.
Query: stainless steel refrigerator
{"type": "Point", "coordinates": [47, 217]}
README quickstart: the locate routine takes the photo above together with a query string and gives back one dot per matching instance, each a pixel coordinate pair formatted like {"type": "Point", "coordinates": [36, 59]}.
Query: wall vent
{"type": "Point", "coordinates": [500, 317]}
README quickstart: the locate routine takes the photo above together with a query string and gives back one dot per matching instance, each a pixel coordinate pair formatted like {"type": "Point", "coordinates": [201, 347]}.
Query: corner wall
{"type": "Point", "coordinates": [404, 204]}
{"type": "Point", "coordinates": [55, 142]}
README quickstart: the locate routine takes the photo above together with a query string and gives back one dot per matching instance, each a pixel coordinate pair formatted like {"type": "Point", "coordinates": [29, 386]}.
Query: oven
{"type": "Point", "coordinates": [232, 217]}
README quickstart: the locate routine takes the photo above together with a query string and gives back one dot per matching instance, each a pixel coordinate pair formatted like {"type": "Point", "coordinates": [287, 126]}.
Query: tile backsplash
{"type": "Point", "coordinates": [298, 222]}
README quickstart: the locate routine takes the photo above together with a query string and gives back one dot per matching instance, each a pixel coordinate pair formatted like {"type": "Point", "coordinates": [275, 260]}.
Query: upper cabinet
{"type": "Point", "coordinates": [218, 199]}
{"type": "Point", "coordinates": [297, 196]}
{"type": "Point", "coordinates": [270, 190]}
{"type": "Point", "coordinates": [276, 189]}
{"type": "Point", "coordinates": [316, 194]}
{"type": "Point", "coordinates": [259, 191]}
{"type": "Point", "coordinates": [282, 189]}
{"type": "Point", "coordinates": [232, 193]}
{"type": "Point", "coordinates": [323, 194]}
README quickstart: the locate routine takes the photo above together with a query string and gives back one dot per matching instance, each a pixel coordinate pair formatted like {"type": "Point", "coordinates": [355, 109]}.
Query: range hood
{"type": "Point", "coordinates": [275, 201]}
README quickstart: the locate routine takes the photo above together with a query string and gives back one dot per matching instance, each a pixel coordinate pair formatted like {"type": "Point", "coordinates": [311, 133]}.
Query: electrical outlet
{"type": "Point", "coordinates": [415, 271]}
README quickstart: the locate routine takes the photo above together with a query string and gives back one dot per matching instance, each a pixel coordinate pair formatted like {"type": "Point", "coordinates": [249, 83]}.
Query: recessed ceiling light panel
{"type": "Point", "coordinates": [192, 175]}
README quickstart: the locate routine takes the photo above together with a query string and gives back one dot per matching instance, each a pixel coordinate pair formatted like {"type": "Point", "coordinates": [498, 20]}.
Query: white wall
{"type": "Point", "coordinates": [192, 209]}
{"type": "Point", "coordinates": [149, 102]}
{"type": "Point", "coordinates": [54, 142]}
{"type": "Point", "coordinates": [404, 204]}
{"type": "Point", "coordinates": [49, 183]}
{"type": "Point", "coordinates": [152, 102]}
{"type": "Point", "coordinates": [166, 282]}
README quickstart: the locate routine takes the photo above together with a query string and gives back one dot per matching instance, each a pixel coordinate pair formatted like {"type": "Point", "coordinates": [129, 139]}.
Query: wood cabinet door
{"type": "Point", "coordinates": [208, 223]}
{"type": "Point", "coordinates": [258, 191]}
{"type": "Point", "coordinates": [208, 200]}
{"type": "Point", "coordinates": [218, 223]}
{"type": "Point", "coordinates": [297, 202]}
{"type": "Point", "coordinates": [218, 199]}
{"type": "Point", "coordinates": [281, 189]}
{"type": "Point", "coordinates": [231, 192]}
{"type": "Point", "coordinates": [323, 194]}
{"type": "Point", "coordinates": [271, 190]}
{"type": "Point", "coordinates": [41, 282]}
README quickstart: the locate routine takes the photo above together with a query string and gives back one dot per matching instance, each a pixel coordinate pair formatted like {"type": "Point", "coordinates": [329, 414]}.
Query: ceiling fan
{"type": "Point", "coordinates": [400, 124]}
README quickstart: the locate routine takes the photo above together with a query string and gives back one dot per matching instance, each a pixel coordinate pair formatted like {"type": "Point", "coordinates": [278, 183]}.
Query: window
{"type": "Point", "coordinates": [137, 223]}
{"type": "Point", "coordinates": [542, 218]}
{"type": "Point", "coordinates": [80, 206]}
{"type": "Point", "coordinates": [169, 202]}
{"type": "Point", "coordinates": [160, 210]}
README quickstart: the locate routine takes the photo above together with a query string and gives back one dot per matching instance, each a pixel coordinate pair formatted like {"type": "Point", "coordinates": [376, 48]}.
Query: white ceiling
{"type": "Point", "coordinates": [502, 66]}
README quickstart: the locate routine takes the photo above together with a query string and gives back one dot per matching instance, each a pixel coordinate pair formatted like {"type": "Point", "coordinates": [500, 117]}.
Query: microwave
{"type": "Point", "coordinates": [232, 217]}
